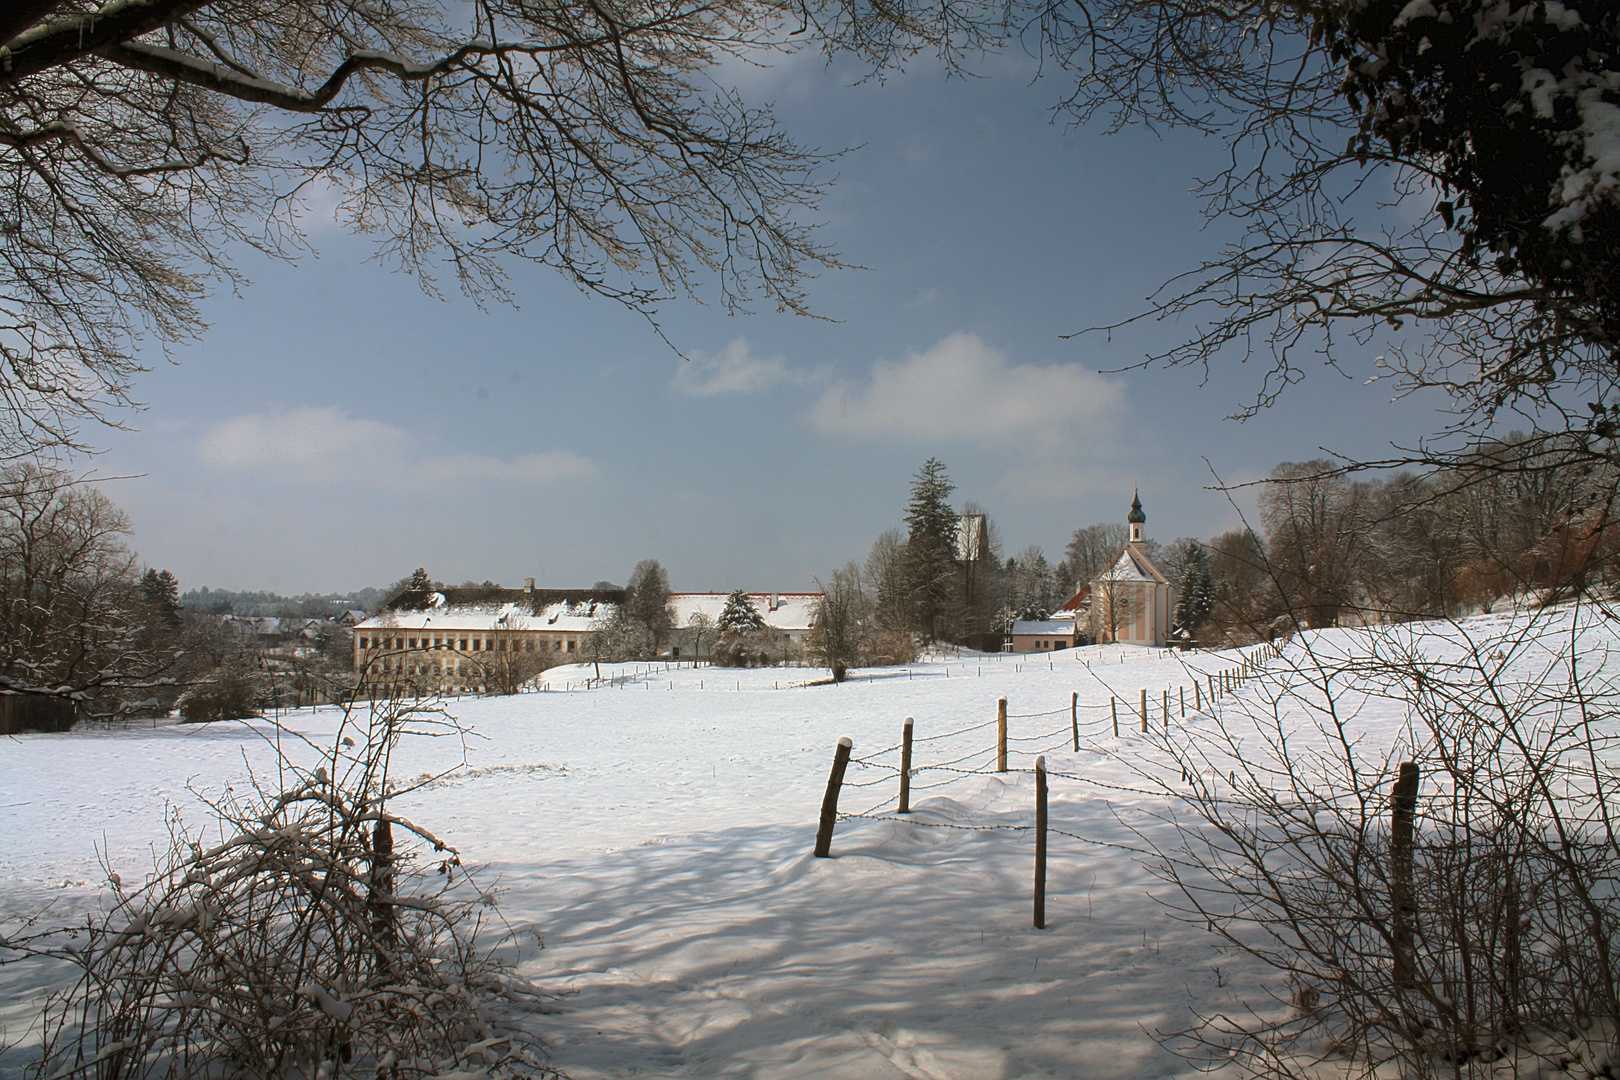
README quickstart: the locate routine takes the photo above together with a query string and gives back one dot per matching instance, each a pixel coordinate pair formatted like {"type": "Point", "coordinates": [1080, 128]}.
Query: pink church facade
{"type": "Point", "coordinates": [1131, 600]}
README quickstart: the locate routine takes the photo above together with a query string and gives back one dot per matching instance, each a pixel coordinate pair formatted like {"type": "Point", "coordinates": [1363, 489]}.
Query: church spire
{"type": "Point", "coordinates": [1136, 517]}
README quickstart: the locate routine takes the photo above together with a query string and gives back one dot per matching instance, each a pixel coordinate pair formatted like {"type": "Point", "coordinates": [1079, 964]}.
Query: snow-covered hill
{"type": "Point", "coordinates": [657, 833]}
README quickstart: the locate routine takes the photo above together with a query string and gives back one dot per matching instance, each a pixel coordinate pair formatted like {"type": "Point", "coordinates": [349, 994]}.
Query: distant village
{"type": "Point", "coordinates": [453, 639]}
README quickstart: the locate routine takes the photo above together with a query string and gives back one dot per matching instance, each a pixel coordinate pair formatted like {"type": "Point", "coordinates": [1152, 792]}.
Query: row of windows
{"type": "Point", "coordinates": [446, 667]}
{"type": "Point", "coordinates": [466, 644]}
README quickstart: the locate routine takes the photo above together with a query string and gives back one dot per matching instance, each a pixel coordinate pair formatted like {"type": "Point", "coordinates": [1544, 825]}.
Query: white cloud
{"type": "Point", "coordinates": [327, 444]}
{"type": "Point", "coordinates": [736, 370]}
{"type": "Point", "coordinates": [962, 388]}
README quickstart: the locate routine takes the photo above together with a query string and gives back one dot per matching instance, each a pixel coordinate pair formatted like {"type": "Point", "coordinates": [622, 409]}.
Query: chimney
{"type": "Point", "coordinates": [528, 584]}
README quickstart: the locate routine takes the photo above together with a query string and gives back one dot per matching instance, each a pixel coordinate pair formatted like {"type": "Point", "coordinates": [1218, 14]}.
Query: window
{"type": "Point", "coordinates": [570, 645]}
{"type": "Point", "coordinates": [463, 644]}
{"type": "Point", "coordinates": [362, 643]}
{"type": "Point", "coordinates": [413, 643]}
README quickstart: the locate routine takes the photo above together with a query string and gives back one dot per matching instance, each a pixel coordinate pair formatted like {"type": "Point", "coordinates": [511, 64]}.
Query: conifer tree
{"type": "Point", "coordinates": [162, 594]}
{"type": "Point", "coordinates": [739, 616]}
{"type": "Point", "coordinates": [930, 552]}
{"type": "Point", "coordinates": [420, 582]}
{"type": "Point", "coordinates": [1196, 592]}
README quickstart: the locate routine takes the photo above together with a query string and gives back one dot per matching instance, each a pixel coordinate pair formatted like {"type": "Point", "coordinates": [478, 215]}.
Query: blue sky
{"type": "Point", "coordinates": [337, 427]}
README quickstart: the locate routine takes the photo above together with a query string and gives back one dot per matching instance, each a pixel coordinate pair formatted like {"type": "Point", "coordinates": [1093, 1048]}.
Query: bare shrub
{"type": "Point", "coordinates": [888, 647]}
{"type": "Point", "coordinates": [325, 936]}
{"type": "Point", "coordinates": [511, 670]}
{"type": "Point", "coordinates": [1495, 954]}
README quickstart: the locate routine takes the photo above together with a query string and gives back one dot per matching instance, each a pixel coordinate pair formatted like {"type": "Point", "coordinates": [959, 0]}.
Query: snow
{"type": "Point", "coordinates": [1043, 626]}
{"type": "Point", "coordinates": [559, 617]}
{"type": "Point", "coordinates": [1415, 9]}
{"type": "Point", "coordinates": [656, 833]}
{"type": "Point", "coordinates": [780, 610]}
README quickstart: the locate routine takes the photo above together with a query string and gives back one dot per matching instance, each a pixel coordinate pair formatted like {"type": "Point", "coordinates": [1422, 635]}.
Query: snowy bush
{"type": "Point", "coordinates": [233, 693]}
{"type": "Point", "coordinates": [325, 936]}
{"type": "Point", "coordinates": [738, 650]}
{"type": "Point", "coordinates": [1495, 951]}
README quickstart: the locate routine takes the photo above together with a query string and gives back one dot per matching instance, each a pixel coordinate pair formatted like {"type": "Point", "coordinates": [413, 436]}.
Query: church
{"type": "Point", "coordinates": [1130, 601]}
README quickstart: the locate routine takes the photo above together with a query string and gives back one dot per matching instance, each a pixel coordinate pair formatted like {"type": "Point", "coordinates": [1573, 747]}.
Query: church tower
{"type": "Point", "coordinates": [1136, 518]}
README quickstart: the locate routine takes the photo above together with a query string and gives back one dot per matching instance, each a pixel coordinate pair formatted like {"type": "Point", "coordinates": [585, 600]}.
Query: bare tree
{"type": "Point", "coordinates": [1246, 601]}
{"type": "Point", "coordinates": [1318, 524]}
{"type": "Point", "coordinates": [1092, 549]}
{"type": "Point", "coordinates": [835, 639]}
{"type": "Point", "coordinates": [514, 658]}
{"type": "Point", "coordinates": [144, 143]}
{"type": "Point", "coordinates": [886, 575]}
{"type": "Point", "coordinates": [1031, 588]}
{"type": "Point", "coordinates": [700, 626]}
{"type": "Point", "coordinates": [647, 605]}
{"type": "Point", "coordinates": [73, 618]}
{"type": "Point", "coordinates": [510, 669]}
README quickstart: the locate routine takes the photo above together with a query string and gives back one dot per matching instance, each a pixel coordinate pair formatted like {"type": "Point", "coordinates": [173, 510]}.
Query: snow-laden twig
{"type": "Point", "coordinates": [325, 937]}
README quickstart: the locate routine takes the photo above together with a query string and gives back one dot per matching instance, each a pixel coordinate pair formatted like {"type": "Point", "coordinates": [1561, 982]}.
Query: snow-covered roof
{"type": "Point", "coordinates": [781, 610]}
{"type": "Point", "coordinates": [1134, 565]}
{"type": "Point", "coordinates": [563, 617]}
{"type": "Point", "coordinates": [1044, 626]}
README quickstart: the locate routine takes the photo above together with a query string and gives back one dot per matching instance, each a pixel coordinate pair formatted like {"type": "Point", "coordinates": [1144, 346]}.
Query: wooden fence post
{"type": "Point", "coordinates": [1074, 717]}
{"type": "Point", "coordinates": [905, 768]}
{"type": "Point", "coordinates": [1113, 708]}
{"type": "Point", "coordinates": [1001, 735]}
{"type": "Point", "coordinates": [1167, 710]}
{"type": "Point", "coordinates": [829, 803]}
{"type": "Point", "coordinates": [1198, 695]}
{"type": "Point", "coordinates": [1144, 710]}
{"type": "Point", "coordinates": [1040, 843]}
{"type": "Point", "coordinates": [1403, 808]}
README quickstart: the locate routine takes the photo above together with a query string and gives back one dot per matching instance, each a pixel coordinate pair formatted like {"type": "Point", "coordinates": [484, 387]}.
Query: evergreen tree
{"type": "Point", "coordinates": [739, 615]}
{"type": "Point", "coordinates": [162, 594]}
{"type": "Point", "coordinates": [930, 552]}
{"type": "Point", "coordinates": [1196, 599]}
{"type": "Point", "coordinates": [420, 582]}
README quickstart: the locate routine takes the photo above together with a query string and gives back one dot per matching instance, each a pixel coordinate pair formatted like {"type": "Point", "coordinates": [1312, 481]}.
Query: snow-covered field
{"type": "Point", "coordinates": [657, 833]}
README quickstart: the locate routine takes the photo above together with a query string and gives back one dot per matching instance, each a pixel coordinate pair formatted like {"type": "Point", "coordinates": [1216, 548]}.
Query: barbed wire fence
{"type": "Point", "coordinates": [989, 749]}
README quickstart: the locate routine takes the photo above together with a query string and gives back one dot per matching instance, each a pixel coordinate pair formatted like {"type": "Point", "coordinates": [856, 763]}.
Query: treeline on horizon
{"type": "Point", "coordinates": [260, 604]}
{"type": "Point", "coordinates": [1520, 517]}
